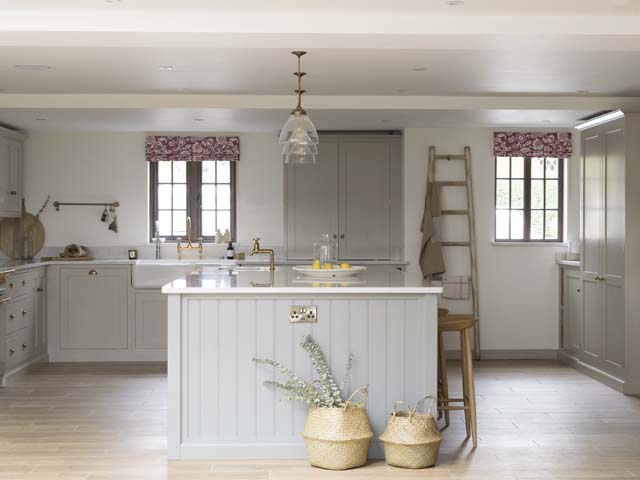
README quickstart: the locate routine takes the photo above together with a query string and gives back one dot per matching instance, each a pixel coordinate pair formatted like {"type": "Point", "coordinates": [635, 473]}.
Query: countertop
{"type": "Point", "coordinates": [377, 279]}
{"type": "Point", "coordinates": [569, 263]}
{"type": "Point", "coordinates": [18, 265]}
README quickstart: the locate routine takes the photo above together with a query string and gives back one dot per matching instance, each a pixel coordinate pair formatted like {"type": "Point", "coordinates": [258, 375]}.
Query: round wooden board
{"type": "Point", "coordinates": [21, 238]}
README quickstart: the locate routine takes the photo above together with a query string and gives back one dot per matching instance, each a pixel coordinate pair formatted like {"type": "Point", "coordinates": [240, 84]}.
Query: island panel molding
{"type": "Point", "coordinates": [218, 405]}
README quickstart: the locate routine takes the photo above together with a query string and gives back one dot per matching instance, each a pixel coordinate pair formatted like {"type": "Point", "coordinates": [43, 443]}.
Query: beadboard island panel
{"type": "Point", "coordinates": [218, 405]}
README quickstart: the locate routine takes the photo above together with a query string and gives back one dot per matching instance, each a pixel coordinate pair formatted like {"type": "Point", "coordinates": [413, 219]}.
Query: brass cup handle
{"type": "Point", "coordinates": [24, 346]}
{"type": "Point", "coordinates": [342, 235]}
{"type": "Point", "coordinates": [24, 312]}
{"type": "Point", "coordinates": [13, 192]}
{"type": "Point", "coordinates": [12, 351]}
{"type": "Point", "coordinates": [93, 272]}
{"type": "Point", "coordinates": [11, 316]}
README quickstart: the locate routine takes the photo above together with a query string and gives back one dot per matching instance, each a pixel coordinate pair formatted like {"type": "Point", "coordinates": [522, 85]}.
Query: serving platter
{"type": "Point", "coordinates": [334, 273]}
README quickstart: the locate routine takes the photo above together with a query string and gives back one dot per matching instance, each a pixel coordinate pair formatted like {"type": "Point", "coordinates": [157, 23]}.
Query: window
{"type": "Point", "coordinates": [529, 199]}
{"type": "Point", "coordinates": [204, 191]}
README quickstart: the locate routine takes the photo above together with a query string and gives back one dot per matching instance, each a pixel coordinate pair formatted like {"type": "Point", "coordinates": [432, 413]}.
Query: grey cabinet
{"type": "Point", "coordinates": [151, 320]}
{"type": "Point", "coordinates": [354, 193]}
{"type": "Point", "coordinates": [595, 304]}
{"type": "Point", "coordinates": [93, 307]}
{"type": "Point", "coordinates": [10, 175]}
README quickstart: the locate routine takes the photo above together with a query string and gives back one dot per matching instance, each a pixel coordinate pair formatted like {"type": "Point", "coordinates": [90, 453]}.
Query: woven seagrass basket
{"type": "Point", "coordinates": [338, 438]}
{"type": "Point", "coordinates": [411, 439]}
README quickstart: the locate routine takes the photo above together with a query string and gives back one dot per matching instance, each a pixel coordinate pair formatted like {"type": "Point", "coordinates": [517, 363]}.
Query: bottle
{"type": "Point", "coordinates": [325, 250]}
{"type": "Point", "coordinates": [230, 252]}
{"type": "Point", "coordinates": [218, 236]}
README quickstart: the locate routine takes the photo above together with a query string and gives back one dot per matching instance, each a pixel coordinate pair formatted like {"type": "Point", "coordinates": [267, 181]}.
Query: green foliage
{"type": "Point", "coordinates": [323, 392]}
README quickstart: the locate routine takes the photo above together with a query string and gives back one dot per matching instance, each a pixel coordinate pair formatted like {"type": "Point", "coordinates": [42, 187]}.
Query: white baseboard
{"type": "Point", "coordinates": [593, 372]}
{"type": "Point", "coordinates": [541, 354]}
{"type": "Point", "coordinates": [256, 451]}
{"type": "Point", "coordinates": [108, 356]}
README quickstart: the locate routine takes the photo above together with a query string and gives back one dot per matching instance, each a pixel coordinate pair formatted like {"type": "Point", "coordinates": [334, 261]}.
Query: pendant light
{"type": "Point", "coordinates": [299, 138]}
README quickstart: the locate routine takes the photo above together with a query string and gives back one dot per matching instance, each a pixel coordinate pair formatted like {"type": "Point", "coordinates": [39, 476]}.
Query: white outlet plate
{"type": "Point", "coordinates": [303, 314]}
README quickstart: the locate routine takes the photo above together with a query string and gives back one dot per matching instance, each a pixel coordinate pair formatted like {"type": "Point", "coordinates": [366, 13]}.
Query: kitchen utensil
{"type": "Point", "coordinates": [23, 237]}
{"type": "Point", "coordinates": [105, 215]}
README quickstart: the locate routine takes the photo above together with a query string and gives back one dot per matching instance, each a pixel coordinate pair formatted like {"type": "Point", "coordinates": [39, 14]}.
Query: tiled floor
{"type": "Point", "coordinates": [537, 419]}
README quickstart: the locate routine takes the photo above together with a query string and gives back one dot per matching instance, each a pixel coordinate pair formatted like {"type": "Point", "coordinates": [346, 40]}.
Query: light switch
{"type": "Point", "coordinates": [303, 314]}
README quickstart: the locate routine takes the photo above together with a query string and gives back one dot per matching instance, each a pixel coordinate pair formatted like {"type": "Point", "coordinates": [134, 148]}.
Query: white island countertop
{"type": "Point", "coordinates": [376, 279]}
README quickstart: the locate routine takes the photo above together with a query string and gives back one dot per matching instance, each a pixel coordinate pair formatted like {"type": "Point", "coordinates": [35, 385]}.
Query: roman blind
{"type": "Point", "coordinates": [163, 148]}
{"type": "Point", "coordinates": [532, 144]}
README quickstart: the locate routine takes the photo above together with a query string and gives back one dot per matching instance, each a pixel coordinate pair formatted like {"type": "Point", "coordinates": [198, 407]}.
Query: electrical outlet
{"type": "Point", "coordinates": [303, 314]}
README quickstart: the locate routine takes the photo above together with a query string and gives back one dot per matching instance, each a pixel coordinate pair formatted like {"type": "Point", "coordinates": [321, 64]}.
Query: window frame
{"type": "Point", "coordinates": [194, 204]}
{"type": "Point", "coordinates": [527, 202]}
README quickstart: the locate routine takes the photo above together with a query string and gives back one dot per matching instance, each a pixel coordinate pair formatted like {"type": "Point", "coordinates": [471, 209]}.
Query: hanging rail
{"type": "Point", "coordinates": [57, 204]}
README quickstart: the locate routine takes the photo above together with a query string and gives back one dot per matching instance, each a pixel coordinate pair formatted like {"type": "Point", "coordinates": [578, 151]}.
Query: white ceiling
{"type": "Point", "coordinates": [475, 7]}
{"type": "Point", "coordinates": [372, 63]}
{"type": "Point", "coordinates": [330, 71]}
{"type": "Point", "coordinates": [271, 120]}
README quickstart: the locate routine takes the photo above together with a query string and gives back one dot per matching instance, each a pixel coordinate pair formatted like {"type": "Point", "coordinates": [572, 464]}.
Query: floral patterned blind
{"type": "Point", "coordinates": [191, 149]}
{"type": "Point", "coordinates": [532, 144]}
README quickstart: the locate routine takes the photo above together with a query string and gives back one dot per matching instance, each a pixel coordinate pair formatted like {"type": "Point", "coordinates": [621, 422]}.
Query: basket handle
{"type": "Point", "coordinates": [421, 403]}
{"type": "Point", "coordinates": [365, 394]}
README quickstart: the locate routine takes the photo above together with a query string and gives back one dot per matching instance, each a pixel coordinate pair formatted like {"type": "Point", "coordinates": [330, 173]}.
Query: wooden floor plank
{"type": "Point", "coordinates": [536, 420]}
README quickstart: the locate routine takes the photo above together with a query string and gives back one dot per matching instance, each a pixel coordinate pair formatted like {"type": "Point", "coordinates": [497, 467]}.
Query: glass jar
{"type": "Point", "coordinates": [325, 250]}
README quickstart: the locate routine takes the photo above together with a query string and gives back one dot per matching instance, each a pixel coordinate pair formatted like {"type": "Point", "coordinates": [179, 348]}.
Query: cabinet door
{"type": "Point", "coordinates": [614, 233]}
{"type": "Point", "coordinates": [572, 313]}
{"type": "Point", "coordinates": [40, 301]}
{"type": "Point", "coordinates": [10, 177]}
{"type": "Point", "coordinates": [93, 308]}
{"type": "Point", "coordinates": [365, 200]}
{"type": "Point", "coordinates": [312, 201]}
{"type": "Point", "coordinates": [151, 321]}
{"type": "Point", "coordinates": [592, 203]}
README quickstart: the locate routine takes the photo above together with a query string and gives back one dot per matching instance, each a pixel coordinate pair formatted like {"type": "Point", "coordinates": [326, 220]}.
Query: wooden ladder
{"type": "Point", "coordinates": [469, 212]}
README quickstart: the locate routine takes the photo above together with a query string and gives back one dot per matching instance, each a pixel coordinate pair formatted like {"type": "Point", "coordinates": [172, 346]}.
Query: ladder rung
{"type": "Point", "coordinates": [452, 183]}
{"type": "Point", "coordinates": [455, 244]}
{"type": "Point", "coordinates": [454, 212]}
{"type": "Point", "coordinates": [450, 157]}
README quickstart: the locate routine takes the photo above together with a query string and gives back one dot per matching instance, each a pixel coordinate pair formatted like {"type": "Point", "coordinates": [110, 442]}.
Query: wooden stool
{"type": "Point", "coordinates": [461, 324]}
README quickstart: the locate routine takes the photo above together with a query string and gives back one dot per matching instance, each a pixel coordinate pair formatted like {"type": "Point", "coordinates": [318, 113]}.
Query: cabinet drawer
{"type": "Point", "coordinates": [18, 314]}
{"type": "Point", "coordinates": [20, 284]}
{"type": "Point", "coordinates": [20, 348]}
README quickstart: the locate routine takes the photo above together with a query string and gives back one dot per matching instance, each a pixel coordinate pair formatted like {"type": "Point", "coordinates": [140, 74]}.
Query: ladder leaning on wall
{"type": "Point", "coordinates": [469, 212]}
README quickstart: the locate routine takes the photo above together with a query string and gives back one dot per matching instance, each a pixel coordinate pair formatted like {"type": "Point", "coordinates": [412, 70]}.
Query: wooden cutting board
{"type": "Point", "coordinates": [21, 238]}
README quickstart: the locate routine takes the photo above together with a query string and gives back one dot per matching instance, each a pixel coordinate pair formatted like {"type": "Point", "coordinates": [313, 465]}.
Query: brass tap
{"type": "Point", "coordinates": [256, 250]}
{"type": "Point", "coordinates": [189, 246]}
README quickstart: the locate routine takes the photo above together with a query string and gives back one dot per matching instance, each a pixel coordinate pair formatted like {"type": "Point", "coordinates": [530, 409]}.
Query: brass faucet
{"type": "Point", "coordinates": [189, 246]}
{"type": "Point", "coordinates": [256, 250]}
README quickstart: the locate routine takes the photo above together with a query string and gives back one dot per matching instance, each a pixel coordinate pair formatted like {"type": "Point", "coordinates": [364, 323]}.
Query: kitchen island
{"type": "Point", "coordinates": [219, 319]}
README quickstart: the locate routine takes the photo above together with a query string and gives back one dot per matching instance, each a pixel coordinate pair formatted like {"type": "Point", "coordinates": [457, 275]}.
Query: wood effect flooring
{"type": "Point", "coordinates": [536, 420]}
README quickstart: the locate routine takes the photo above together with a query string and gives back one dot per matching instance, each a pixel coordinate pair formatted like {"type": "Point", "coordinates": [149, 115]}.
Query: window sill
{"type": "Point", "coordinates": [529, 244]}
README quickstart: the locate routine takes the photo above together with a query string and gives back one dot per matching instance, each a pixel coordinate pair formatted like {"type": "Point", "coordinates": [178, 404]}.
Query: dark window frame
{"type": "Point", "coordinates": [194, 204]}
{"type": "Point", "coordinates": [527, 203]}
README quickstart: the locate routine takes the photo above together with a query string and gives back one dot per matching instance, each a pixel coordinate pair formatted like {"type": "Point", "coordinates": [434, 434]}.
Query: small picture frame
{"type": "Point", "coordinates": [133, 254]}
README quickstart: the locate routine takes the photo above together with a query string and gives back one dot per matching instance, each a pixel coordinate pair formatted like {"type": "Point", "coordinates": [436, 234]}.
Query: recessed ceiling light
{"type": "Point", "coordinates": [198, 119]}
{"type": "Point", "coordinates": [41, 119]}
{"type": "Point", "coordinates": [455, 3]}
{"type": "Point", "coordinates": [386, 121]}
{"type": "Point", "coordinates": [545, 121]}
{"type": "Point", "coordinates": [418, 69]}
{"type": "Point", "coordinates": [33, 67]}
{"type": "Point", "coordinates": [183, 90]}
{"type": "Point", "coordinates": [166, 67]}
{"type": "Point", "coordinates": [112, 1]}
{"type": "Point", "coordinates": [582, 92]}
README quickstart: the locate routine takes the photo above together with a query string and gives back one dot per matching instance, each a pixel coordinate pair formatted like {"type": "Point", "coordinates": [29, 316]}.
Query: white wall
{"type": "Point", "coordinates": [98, 167]}
{"type": "Point", "coordinates": [518, 285]}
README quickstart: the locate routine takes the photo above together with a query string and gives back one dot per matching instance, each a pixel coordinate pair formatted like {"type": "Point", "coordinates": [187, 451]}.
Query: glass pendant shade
{"type": "Point", "coordinates": [297, 125]}
{"type": "Point", "coordinates": [303, 154]}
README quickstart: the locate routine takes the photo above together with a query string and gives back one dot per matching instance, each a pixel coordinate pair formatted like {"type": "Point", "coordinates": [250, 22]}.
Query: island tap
{"type": "Point", "coordinates": [256, 250]}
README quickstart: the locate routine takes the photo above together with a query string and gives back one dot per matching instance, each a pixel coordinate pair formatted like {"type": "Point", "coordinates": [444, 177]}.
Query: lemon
{"type": "Point", "coordinates": [328, 266]}
{"type": "Point", "coordinates": [316, 265]}
{"type": "Point", "coordinates": [345, 265]}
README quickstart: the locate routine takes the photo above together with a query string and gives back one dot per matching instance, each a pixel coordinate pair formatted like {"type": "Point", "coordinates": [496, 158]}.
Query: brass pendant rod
{"type": "Point", "coordinates": [299, 110]}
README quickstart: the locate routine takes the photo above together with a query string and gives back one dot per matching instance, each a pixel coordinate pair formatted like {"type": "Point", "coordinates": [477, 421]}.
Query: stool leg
{"type": "Point", "coordinates": [444, 381]}
{"type": "Point", "coordinates": [439, 395]}
{"type": "Point", "coordinates": [465, 392]}
{"type": "Point", "coordinates": [471, 390]}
